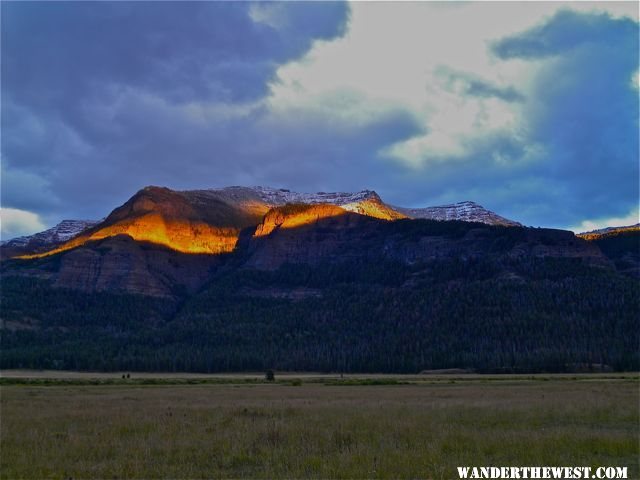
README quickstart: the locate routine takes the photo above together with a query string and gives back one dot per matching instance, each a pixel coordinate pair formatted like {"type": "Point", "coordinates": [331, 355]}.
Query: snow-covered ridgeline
{"type": "Point", "coordinates": [465, 211]}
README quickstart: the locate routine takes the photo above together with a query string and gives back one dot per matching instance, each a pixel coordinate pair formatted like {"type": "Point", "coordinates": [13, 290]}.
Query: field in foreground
{"type": "Point", "coordinates": [318, 430]}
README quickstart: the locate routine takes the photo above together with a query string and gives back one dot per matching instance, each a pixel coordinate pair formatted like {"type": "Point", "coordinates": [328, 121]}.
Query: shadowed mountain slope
{"type": "Point", "coordinates": [620, 244]}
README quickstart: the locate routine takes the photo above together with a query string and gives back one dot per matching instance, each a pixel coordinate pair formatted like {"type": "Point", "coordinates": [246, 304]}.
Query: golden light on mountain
{"type": "Point", "coordinates": [375, 209]}
{"type": "Point", "coordinates": [210, 221]}
{"type": "Point", "coordinates": [181, 235]}
{"type": "Point", "coordinates": [294, 216]}
{"type": "Point", "coordinates": [198, 237]}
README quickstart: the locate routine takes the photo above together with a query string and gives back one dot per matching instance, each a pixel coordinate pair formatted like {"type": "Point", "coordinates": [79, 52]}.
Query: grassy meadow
{"type": "Point", "coordinates": [313, 426]}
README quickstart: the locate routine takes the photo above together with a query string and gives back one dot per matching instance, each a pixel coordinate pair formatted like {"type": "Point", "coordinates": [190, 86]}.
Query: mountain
{"type": "Point", "coordinates": [189, 222]}
{"type": "Point", "coordinates": [58, 234]}
{"type": "Point", "coordinates": [255, 278]}
{"type": "Point", "coordinates": [319, 288]}
{"type": "Point", "coordinates": [314, 234]}
{"type": "Point", "coordinates": [267, 228]}
{"type": "Point", "coordinates": [210, 221]}
{"type": "Point", "coordinates": [47, 239]}
{"type": "Point", "coordinates": [365, 202]}
{"type": "Point", "coordinates": [465, 211]}
{"type": "Point", "coordinates": [294, 234]}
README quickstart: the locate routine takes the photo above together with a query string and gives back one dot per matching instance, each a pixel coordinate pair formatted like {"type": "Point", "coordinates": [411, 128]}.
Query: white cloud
{"type": "Point", "coordinates": [392, 57]}
{"type": "Point", "coordinates": [589, 225]}
{"type": "Point", "coordinates": [15, 223]}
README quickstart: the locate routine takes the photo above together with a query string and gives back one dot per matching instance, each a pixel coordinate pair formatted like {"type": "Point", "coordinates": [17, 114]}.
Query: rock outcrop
{"type": "Point", "coordinates": [121, 264]}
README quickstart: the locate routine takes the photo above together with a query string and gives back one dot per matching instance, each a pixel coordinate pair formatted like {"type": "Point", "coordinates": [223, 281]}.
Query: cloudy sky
{"type": "Point", "coordinates": [530, 109]}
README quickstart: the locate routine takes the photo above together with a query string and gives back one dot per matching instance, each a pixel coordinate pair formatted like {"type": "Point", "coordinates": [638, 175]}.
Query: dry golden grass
{"type": "Point", "coordinates": [316, 431]}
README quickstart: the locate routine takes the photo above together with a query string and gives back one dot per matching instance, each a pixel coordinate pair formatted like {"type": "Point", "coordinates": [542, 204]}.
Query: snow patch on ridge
{"type": "Point", "coordinates": [465, 211]}
{"type": "Point", "coordinates": [277, 197]}
{"type": "Point", "coordinates": [65, 230]}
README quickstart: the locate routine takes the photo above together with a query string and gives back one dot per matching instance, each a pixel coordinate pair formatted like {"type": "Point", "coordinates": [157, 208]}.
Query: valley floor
{"type": "Point", "coordinates": [313, 426]}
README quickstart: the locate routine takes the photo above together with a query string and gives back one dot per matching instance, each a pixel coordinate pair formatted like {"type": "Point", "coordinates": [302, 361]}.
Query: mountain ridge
{"type": "Point", "coordinates": [41, 241]}
{"type": "Point", "coordinates": [593, 234]}
{"type": "Point", "coordinates": [620, 244]}
{"type": "Point", "coordinates": [318, 287]}
{"type": "Point", "coordinates": [302, 236]}
{"type": "Point", "coordinates": [210, 220]}
{"type": "Point", "coordinates": [466, 211]}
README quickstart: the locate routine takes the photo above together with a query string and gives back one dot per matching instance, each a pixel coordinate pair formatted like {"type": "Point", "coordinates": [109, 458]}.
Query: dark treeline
{"type": "Point", "coordinates": [525, 315]}
{"type": "Point", "coordinates": [623, 248]}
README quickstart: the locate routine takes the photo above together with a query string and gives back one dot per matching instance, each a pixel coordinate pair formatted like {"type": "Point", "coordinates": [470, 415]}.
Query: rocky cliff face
{"type": "Point", "coordinates": [121, 264]}
{"type": "Point", "coordinates": [305, 234]}
{"type": "Point", "coordinates": [344, 236]}
{"type": "Point", "coordinates": [620, 244]}
{"type": "Point", "coordinates": [295, 216]}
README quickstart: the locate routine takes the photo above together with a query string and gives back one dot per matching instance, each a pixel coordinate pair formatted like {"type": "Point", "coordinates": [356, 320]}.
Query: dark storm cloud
{"type": "Point", "coordinates": [565, 31]}
{"type": "Point", "coordinates": [586, 113]}
{"type": "Point", "coordinates": [186, 149]}
{"type": "Point", "coordinates": [58, 51]}
{"type": "Point", "coordinates": [576, 155]}
{"type": "Point", "coordinates": [85, 86]}
{"type": "Point", "coordinates": [102, 98]}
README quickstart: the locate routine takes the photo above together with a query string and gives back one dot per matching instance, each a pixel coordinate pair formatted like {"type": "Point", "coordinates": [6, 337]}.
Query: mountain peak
{"type": "Point", "coordinates": [364, 202]}
{"type": "Point", "coordinates": [466, 211]}
{"type": "Point", "coordinates": [151, 188]}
